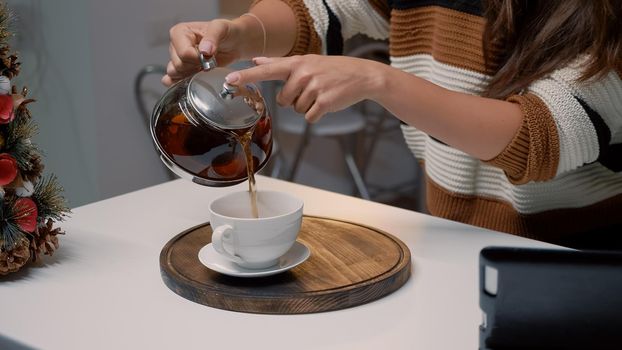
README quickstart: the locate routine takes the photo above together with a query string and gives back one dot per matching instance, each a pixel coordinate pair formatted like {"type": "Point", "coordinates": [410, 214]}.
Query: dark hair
{"type": "Point", "coordinates": [525, 40]}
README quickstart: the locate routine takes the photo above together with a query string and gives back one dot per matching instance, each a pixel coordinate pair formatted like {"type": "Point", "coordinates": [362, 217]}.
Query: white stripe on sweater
{"type": "Point", "coordinates": [358, 16]}
{"type": "Point", "coordinates": [459, 173]}
{"type": "Point", "coordinates": [447, 76]}
{"type": "Point", "coordinates": [355, 16]}
{"type": "Point", "coordinates": [318, 13]}
{"type": "Point", "coordinates": [603, 96]}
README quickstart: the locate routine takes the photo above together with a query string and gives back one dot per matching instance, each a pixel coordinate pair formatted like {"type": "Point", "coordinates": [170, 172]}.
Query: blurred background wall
{"type": "Point", "coordinates": [79, 60]}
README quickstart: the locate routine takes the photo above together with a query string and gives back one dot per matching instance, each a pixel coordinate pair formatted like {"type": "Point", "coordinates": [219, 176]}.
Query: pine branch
{"type": "Point", "coordinates": [6, 20]}
{"type": "Point", "coordinates": [21, 128]}
{"type": "Point", "coordinates": [18, 134]}
{"type": "Point", "coordinates": [10, 233]}
{"type": "Point", "coordinates": [23, 151]}
{"type": "Point", "coordinates": [9, 66]}
{"type": "Point", "coordinates": [50, 203]}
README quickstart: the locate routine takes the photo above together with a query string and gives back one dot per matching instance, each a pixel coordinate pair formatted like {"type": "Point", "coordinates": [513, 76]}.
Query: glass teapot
{"type": "Point", "coordinates": [200, 124]}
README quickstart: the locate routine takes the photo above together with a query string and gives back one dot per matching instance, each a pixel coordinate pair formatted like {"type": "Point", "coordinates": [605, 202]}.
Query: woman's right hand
{"type": "Point", "coordinates": [220, 37]}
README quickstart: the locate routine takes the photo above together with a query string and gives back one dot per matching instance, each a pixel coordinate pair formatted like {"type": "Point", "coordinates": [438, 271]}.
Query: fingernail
{"type": "Point", "coordinates": [232, 78]}
{"type": "Point", "coordinates": [206, 47]}
{"type": "Point", "coordinates": [259, 59]}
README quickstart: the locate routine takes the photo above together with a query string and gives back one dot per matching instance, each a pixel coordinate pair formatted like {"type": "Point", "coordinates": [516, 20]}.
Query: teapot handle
{"type": "Point", "coordinates": [206, 63]}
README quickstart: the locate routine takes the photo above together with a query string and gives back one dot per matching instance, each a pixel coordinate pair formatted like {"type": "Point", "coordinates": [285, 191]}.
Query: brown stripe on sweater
{"type": "Point", "coordinates": [307, 40]}
{"type": "Point", "coordinates": [533, 154]}
{"type": "Point", "coordinates": [498, 215]}
{"type": "Point", "coordinates": [450, 36]}
{"type": "Point", "coordinates": [381, 7]}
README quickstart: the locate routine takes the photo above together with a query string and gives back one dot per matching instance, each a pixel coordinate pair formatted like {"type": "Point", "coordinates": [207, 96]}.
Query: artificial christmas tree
{"type": "Point", "coordinates": [30, 204]}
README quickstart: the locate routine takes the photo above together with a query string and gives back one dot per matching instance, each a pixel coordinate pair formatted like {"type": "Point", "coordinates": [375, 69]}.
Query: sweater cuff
{"type": "Point", "coordinates": [307, 40]}
{"type": "Point", "coordinates": [533, 154]}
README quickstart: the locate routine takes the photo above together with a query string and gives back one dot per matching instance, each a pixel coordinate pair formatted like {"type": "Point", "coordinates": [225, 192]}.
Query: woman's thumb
{"type": "Point", "coordinates": [212, 35]}
{"type": "Point", "coordinates": [206, 46]}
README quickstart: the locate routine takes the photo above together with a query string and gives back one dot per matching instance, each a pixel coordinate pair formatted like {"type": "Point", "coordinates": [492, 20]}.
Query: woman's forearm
{"type": "Point", "coordinates": [481, 127]}
{"type": "Point", "coordinates": [279, 22]}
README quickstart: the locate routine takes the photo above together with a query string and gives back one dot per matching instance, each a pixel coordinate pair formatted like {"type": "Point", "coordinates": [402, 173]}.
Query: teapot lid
{"type": "Point", "coordinates": [220, 104]}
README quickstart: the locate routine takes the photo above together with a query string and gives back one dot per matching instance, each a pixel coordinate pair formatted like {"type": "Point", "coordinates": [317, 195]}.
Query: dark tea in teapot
{"type": "Point", "coordinates": [208, 153]}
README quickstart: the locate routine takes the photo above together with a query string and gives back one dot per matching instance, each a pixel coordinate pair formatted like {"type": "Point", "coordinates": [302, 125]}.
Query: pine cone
{"type": "Point", "coordinates": [11, 65]}
{"type": "Point", "coordinates": [35, 169]}
{"type": "Point", "coordinates": [13, 260]}
{"type": "Point", "coordinates": [44, 240]}
{"type": "Point", "coordinates": [5, 51]}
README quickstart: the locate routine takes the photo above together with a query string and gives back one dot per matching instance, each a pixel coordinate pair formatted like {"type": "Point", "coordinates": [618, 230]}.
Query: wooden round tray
{"type": "Point", "coordinates": [350, 264]}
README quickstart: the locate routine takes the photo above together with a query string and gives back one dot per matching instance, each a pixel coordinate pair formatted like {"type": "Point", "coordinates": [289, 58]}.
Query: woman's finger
{"type": "Point", "coordinates": [279, 70]}
{"type": "Point", "coordinates": [303, 103]}
{"type": "Point", "coordinates": [212, 35]}
{"type": "Point", "coordinates": [167, 81]}
{"type": "Point", "coordinates": [262, 60]}
{"type": "Point", "coordinates": [171, 71]}
{"type": "Point", "coordinates": [317, 111]}
{"type": "Point", "coordinates": [290, 91]}
{"type": "Point", "coordinates": [175, 60]}
{"type": "Point", "coordinates": [266, 60]}
{"type": "Point", "coordinates": [184, 39]}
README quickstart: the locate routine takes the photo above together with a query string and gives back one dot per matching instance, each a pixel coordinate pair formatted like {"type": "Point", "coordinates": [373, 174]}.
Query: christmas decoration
{"type": "Point", "coordinates": [30, 203]}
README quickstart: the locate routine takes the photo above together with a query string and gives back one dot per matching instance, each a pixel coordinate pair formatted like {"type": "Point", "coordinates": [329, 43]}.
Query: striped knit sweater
{"type": "Point", "coordinates": [561, 174]}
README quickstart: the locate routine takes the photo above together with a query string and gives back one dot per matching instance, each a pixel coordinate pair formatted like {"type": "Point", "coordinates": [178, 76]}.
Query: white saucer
{"type": "Point", "coordinates": [295, 256]}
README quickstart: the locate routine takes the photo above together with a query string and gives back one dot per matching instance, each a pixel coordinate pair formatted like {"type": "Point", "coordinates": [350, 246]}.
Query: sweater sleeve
{"type": "Point", "coordinates": [323, 25]}
{"type": "Point", "coordinates": [566, 124]}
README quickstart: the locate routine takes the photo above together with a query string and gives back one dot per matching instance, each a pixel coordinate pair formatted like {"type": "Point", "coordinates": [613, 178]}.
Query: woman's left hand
{"type": "Point", "coordinates": [314, 84]}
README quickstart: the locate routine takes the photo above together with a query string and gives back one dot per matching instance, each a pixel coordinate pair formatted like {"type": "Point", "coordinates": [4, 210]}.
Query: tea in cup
{"type": "Point", "coordinates": [255, 243]}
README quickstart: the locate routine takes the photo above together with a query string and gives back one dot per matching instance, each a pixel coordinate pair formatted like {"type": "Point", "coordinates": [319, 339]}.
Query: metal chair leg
{"type": "Point", "coordinates": [276, 168]}
{"type": "Point", "coordinates": [276, 162]}
{"type": "Point", "coordinates": [298, 155]}
{"type": "Point", "coordinates": [359, 182]}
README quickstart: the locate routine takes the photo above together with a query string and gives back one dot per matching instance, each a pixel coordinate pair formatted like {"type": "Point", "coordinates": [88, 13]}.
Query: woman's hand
{"type": "Point", "coordinates": [228, 40]}
{"type": "Point", "coordinates": [316, 85]}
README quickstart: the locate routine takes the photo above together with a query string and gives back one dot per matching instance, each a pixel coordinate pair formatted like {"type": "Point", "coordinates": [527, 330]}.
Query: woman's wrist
{"type": "Point", "coordinates": [380, 77]}
{"type": "Point", "coordinates": [249, 34]}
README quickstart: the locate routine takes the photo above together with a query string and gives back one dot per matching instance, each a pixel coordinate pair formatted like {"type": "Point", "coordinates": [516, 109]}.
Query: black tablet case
{"type": "Point", "coordinates": [551, 299]}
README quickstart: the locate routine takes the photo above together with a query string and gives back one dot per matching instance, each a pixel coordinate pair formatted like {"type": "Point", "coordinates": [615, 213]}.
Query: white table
{"type": "Point", "coordinates": [102, 289]}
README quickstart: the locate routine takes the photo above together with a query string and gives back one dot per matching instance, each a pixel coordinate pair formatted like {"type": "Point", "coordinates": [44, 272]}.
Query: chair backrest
{"type": "Point", "coordinates": [147, 94]}
{"type": "Point", "coordinates": [375, 50]}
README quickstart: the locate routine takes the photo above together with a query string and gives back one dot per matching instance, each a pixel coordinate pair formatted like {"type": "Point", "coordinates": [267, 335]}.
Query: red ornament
{"type": "Point", "coordinates": [8, 169]}
{"type": "Point", "coordinates": [26, 213]}
{"type": "Point", "coordinates": [7, 113]}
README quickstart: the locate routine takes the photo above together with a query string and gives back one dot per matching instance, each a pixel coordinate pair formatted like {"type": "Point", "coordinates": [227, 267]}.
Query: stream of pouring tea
{"type": "Point", "coordinates": [245, 141]}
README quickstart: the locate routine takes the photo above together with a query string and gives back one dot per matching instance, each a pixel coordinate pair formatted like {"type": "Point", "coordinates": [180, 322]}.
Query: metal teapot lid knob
{"type": "Point", "coordinates": [206, 63]}
{"type": "Point", "coordinates": [220, 104]}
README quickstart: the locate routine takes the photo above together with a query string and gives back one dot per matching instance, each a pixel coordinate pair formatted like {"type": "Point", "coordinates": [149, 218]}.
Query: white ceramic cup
{"type": "Point", "coordinates": [255, 243]}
